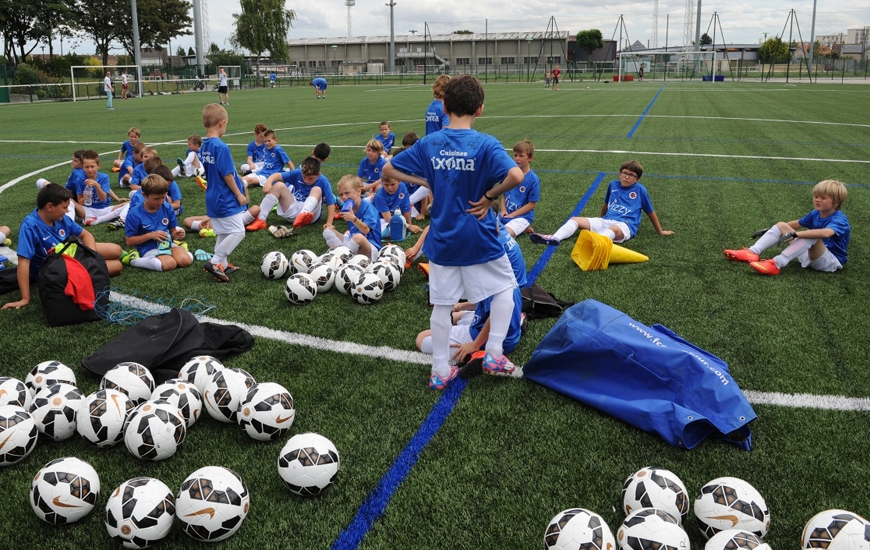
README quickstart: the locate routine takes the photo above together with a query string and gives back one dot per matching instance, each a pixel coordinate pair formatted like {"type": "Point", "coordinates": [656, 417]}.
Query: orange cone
{"type": "Point", "coordinates": [596, 252]}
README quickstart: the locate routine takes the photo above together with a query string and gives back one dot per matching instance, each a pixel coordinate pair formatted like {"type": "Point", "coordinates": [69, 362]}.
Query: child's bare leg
{"type": "Point", "coordinates": [365, 247]}
{"type": "Point", "coordinates": [109, 251]}
{"type": "Point", "coordinates": [167, 263]}
{"type": "Point", "coordinates": [817, 249]}
{"type": "Point", "coordinates": [422, 336]}
{"type": "Point", "coordinates": [181, 257]}
{"type": "Point", "coordinates": [195, 223]}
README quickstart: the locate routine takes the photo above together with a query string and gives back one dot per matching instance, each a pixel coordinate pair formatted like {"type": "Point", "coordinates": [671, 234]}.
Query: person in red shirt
{"type": "Point", "coordinates": [556, 73]}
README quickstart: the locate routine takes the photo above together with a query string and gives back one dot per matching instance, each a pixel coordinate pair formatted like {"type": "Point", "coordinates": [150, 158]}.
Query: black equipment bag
{"type": "Point", "coordinates": [540, 304]}
{"type": "Point", "coordinates": [58, 307]}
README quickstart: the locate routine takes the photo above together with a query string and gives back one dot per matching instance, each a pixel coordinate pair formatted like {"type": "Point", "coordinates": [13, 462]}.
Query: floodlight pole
{"type": "Point", "coordinates": [137, 56]}
{"type": "Point", "coordinates": [812, 38]}
{"type": "Point", "coordinates": [334, 64]}
{"type": "Point", "coordinates": [391, 4]}
{"type": "Point", "coordinates": [528, 58]}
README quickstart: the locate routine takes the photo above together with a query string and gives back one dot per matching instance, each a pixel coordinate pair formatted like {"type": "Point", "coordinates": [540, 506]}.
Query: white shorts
{"type": "Point", "coordinates": [518, 225]}
{"type": "Point", "coordinates": [599, 225]}
{"type": "Point", "coordinates": [827, 262]}
{"type": "Point", "coordinates": [295, 209]}
{"type": "Point", "coordinates": [153, 252]}
{"type": "Point", "coordinates": [91, 212]}
{"type": "Point", "coordinates": [229, 225]}
{"type": "Point", "coordinates": [459, 334]}
{"type": "Point", "coordinates": [449, 284]}
{"type": "Point", "coordinates": [260, 179]}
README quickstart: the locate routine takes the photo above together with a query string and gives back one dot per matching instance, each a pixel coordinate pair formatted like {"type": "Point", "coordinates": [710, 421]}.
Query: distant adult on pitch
{"type": "Point", "coordinates": [107, 86]}
{"type": "Point", "coordinates": [320, 85]}
{"type": "Point", "coordinates": [223, 88]}
{"type": "Point", "coordinates": [124, 85]}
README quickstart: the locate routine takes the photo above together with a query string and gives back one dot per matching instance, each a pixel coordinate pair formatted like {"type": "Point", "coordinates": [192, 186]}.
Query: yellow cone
{"type": "Point", "coordinates": [596, 252]}
{"type": "Point", "coordinates": [621, 255]}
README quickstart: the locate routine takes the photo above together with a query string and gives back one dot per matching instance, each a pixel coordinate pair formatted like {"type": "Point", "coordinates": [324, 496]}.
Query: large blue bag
{"type": "Point", "coordinates": [646, 376]}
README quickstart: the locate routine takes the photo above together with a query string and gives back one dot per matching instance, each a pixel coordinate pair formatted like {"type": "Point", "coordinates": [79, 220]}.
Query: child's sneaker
{"type": "Point", "coordinates": [230, 269]}
{"type": "Point", "coordinates": [116, 169]}
{"type": "Point", "coordinates": [201, 182]}
{"type": "Point", "coordinates": [423, 267]}
{"type": "Point", "coordinates": [438, 383]}
{"type": "Point", "coordinates": [127, 257]}
{"type": "Point", "coordinates": [206, 232]}
{"type": "Point", "coordinates": [91, 221]}
{"type": "Point", "coordinates": [538, 238]}
{"type": "Point", "coordinates": [743, 255]}
{"type": "Point", "coordinates": [216, 271]}
{"type": "Point", "coordinates": [256, 225]}
{"type": "Point", "coordinates": [117, 223]}
{"type": "Point", "coordinates": [304, 218]}
{"type": "Point", "coordinates": [180, 162]}
{"type": "Point", "coordinates": [501, 367]}
{"type": "Point", "coordinates": [765, 267]}
{"type": "Point", "coordinates": [182, 244]}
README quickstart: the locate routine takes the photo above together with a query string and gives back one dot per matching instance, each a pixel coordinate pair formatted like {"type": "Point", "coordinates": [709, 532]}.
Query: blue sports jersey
{"type": "Point", "coordinates": [460, 166]}
{"type": "Point", "coordinates": [369, 172]}
{"type": "Point", "coordinates": [384, 202]}
{"type": "Point", "coordinates": [387, 142]}
{"type": "Point", "coordinates": [319, 83]}
{"type": "Point", "coordinates": [103, 182]}
{"type": "Point", "coordinates": [436, 118]}
{"type": "Point", "coordinates": [528, 191]}
{"type": "Point", "coordinates": [125, 166]}
{"type": "Point", "coordinates": [139, 174]}
{"type": "Point", "coordinates": [839, 223]}
{"type": "Point", "coordinates": [481, 314]}
{"type": "Point", "coordinates": [626, 203]}
{"type": "Point", "coordinates": [76, 176]}
{"type": "Point", "coordinates": [36, 238]}
{"type": "Point", "coordinates": [174, 195]}
{"type": "Point", "coordinates": [515, 255]}
{"type": "Point", "coordinates": [369, 216]}
{"type": "Point", "coordinates": [220, 202]}
{"type": "Point", "coordinates": [127, 150]}
{"type": "Point", "coordinates": [257, 152]}
{"type": "Point", "coordinates": [140, 221]}
{"type": "Point", "coordinates": [274, 161]}
{"type": "Point", "coordinates": [301, 190]}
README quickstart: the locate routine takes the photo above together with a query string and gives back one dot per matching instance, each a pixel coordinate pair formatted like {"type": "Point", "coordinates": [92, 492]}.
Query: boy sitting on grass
{"type": "Point", "coordinates": [393, 199]}
{"type": "Point", "coordinates": [371, 167]}
{"type": "Point", "coordinates": [95, 194]}
{"type": "Point", "coordinates": [151, 226]}
{"type": "Point", "coordinates": [298, 194]}
{"type": "Point", "coordinates": [822, 246]}
{"type": "Point", "coordinates": [518, 204]}
{"type": "Point", "coordinates": [273, 163]}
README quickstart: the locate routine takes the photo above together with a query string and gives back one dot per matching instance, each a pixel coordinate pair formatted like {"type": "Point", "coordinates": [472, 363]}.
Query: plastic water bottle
{"type": "Point", "coordinates": [89, 195]}
{"type": "Point", "coordinates": [397, 228]}
{"type": "Point", "coordinates": [347, 206]}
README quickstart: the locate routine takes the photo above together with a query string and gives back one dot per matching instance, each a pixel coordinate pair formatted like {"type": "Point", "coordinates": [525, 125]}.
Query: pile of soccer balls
{"type": "Point", "coordinates": [353, 275]}
{"type": "Point", "coordinates": [730, 513]}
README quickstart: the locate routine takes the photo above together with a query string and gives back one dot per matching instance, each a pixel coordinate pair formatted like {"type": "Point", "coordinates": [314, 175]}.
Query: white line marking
{"type": "Point", "coordinates": [808, 401]}
{"type": "Point", "coordinates": [706, 155]}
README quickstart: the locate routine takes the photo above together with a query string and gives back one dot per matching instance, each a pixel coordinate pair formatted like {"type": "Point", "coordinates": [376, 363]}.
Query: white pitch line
{"type": "Point", "coordinates": [808, 401]}
{"type": "Point", "coordinates": [705, 155]}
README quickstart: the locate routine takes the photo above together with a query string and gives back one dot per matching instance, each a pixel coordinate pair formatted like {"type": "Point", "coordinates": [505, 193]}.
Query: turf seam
{"type": "Point", "coordinates": [645, 111]}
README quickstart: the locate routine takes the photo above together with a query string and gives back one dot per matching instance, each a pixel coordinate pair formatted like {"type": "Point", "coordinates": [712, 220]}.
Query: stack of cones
{"type": "Point", "coordinates": [593, 251]}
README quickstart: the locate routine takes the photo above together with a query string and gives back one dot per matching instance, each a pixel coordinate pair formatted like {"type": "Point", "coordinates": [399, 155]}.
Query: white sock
{"type": "Point", "coordinates": [566, 230]}
{"type": "Point", "coordinates": [3, 236]}
{"type": "Point", "coordinates": [609, 234]}
{"type": "Point", "coordinates": [191, 156]}
{"type": "Point", "coordinates": [766, 241]}
{"type": "Point", "coordinates": [114, 214]}
{"type": "Point", "coordinates": [419, 195]}
{"type": "Point", "coordinates": [310, 204]}
{"type": "Point", "coordinates": [247, 217]}
{"type": "Point", "coordinates": [245, 167]}
{"type": "Point", "coordinates": [122, 212]}
{"type": "Point", "coordinates": [792, 251]}
{"type": "Point", "coordinates": [500, 312]}
{"type": "Point", "coordinates": [194, 225]}
{"type": "Point", "coordinates": [152, 263]}
{"type": "Point", "coordinates": [71, 211]}
{"type": "Point", "coordinates": [332, 240]}
{"type": "Point", "coordinates": [439, 324]}
{"type": "Point", "coordinates": [176, 172]}
{"type": "Point", "coordinates": [40, 182]}
{"type": "Point", "coordinates": [266, 205]}
{"type": "Point", "coordinates": [224, 246]}
{"type": "Point", "coordinates": [385, 228]}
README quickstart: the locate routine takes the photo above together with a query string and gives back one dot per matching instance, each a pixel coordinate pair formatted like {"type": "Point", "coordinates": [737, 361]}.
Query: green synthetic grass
{"type": "Point", "coordinates": [512, 454]}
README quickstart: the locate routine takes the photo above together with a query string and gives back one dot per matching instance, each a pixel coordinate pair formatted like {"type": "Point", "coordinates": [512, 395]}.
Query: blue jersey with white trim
{"type": "Point", "coordinates": [839, 224]}
{"type": "Point", "coordinates": [626, 203]}
{"type": "Point", "coordinates": [140, 221]}
{"type": "Point", "coordinates": [384, 202]}
{"type": "Point", "coordinates": [436, 118]}
{"type": "Point", "coordinates": [36, 238]}
{"type": "Point", "coordinates": [220, 202]}
{"type": "Point", "coordinates": [528, 191]}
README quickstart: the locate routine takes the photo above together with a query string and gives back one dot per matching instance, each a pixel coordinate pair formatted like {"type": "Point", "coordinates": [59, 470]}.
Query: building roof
{"type": "Point", "coordinates": [419, 39]}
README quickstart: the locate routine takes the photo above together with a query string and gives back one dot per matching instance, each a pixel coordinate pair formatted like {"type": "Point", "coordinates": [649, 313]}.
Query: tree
{"type": "Point", "coordinates": [463, 31]}
{"type": "Point", "coordinates": [190, 51]}
{"type": "Point", "coordinates": [705, 39]}
{"type": "Point", "coordinates": [27, 23]}
{"type": "Point", "coordinates": [774, 50]}
{"type": "Point", "coordinates": [180, 51]}
{"type": "Point", "coordinates": [102, 21]}
{"type": "Point", "coordinates": [589, 41]}
{"type": "Point", "coordinates": [263, 26]}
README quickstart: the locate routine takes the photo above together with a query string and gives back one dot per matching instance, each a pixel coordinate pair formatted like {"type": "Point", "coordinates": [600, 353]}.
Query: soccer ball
{"type": "Point", "coordinates": [267, 412]}
{"type": "Point", "coordinates": [300, 289]}
{"type": "Point", "coordinates": [347, 276]}
{"type": "Point", "coordinates": [308, 464]}
{"type": "Point", "coordinates": [342, 252]}
{"type": "Point", "coordinates": [14, 392]}
{"type": "Point", "coordinates": [274, 265]}
{"type": "Point", "coordinates": [224, 393]}
{"type": "Point", "coordinates": [651, 528]}
{"type": "Point", "coordinates": [155, 431]}
{"type": "Point", "coordinates": [64, 491]}
{"type": "Point", "coordinates": [729, 503]}
{"type": "Point", "coordinates": [394, 251]}
{"type": "Point", "coordinates": [736, 539]}
{"type": "Point", "coordinates": [102, 417]}
{"type": "Point", "coordinates": [55, 409]}
{"type": "Point", "coordinates": [324, 277]}
{"type": "Point", "coordinates": [836, 530]}
{"type": "Point", "coordinates": [130, 378]}
{"type": "Point", "coordinates": [199, 370]}
{"type": "Point", "coordinates": [360, 260]}
{"type": "Point", "coordinates": [388, 273]}
{"type": "Point", "coordinates": [49, 373]}
{"type": "Point", "coordinates": [212, 504]}
{"type": "Point", "coordinates": [182, 395]}
{"type": "Point", "coordinates": [656, 488]}
{"type": "Point", "coordinates": [140, 512]}
{"type": "Point", "coordinates": [576, 529]}
{"type": "Point", "coordinates": [302, 260]}
{"type": "Point", "coordinates": [18, 433]}
{"type": "Point", "coordinates": [368, 290]}
{"type": "Point", "coordinates": [331, 259]}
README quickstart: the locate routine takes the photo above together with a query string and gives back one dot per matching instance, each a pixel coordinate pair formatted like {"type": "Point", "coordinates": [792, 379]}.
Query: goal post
{"type": "Point", "coordinates": [89, 75]}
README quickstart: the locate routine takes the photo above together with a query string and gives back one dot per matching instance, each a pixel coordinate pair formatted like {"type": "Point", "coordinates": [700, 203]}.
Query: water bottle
{"type": "Point", "coordinates": [398, 230]}
{"type": "Point", "coordinates": [89, 195]}
{"type": "Point", "coordinates": [347, 206]}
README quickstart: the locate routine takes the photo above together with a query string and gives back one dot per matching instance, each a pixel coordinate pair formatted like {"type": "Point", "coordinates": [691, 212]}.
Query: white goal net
{"type": "Point", "coordinates": [87, 80]}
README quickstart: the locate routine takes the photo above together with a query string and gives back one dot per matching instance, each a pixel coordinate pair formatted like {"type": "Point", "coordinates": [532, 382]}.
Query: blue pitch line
{"type": "Point", "coordinates": [645, 111]}
{"type": "Point", "coordinates": [539, 266]}
{"type": "Point", "coordinates": [377, 501]}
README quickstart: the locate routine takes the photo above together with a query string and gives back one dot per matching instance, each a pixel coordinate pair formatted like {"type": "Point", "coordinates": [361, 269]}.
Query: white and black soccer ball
{"type": "Point", "coordinates": [368, 290]}
{"type": "Point", "coordinates": [655, 488]}
{"type": "Point", "coordinates": [15, 392]}
{"type": "Point", "coordinates": [578, 529]}
{"type": "Point", "coordinates": [212, 504]}
{"type": "Point", "coordinates": [49, 373]}
{"type": "Point", "coordinates": [130, 378]}
{"type": "Point", "coordinates": [347, 276]}
{"type": "Point", "coordinates": [55, 409]}
{"type": "Point", "coordinates": [395, 253]}
{"type": "Point", "coordinates": [274, 265]}
{"type": "Point", "coordinates": [331, 259]}
{"type": "Point", "coordinates": [102, 417]}
{"type": "Point", "coordinates": [300, 289]}
{"type": "Point", "coordinates": [360, 260]}
{"type": "Point", "coordinates": [729, 503]}
{"type": "Point", "coordinates": [836, 530]}
{"type": "Point", "coordinates": [140, 512]}
{"type": "Point", "coordinates": [18, 432]}
{"type": "Point", "coordinates": [738, 539]}
{"type": "Point", "coordinates": [324, 276]}
{"type": "Point", "coordinates": [308, 464]}
{"type": "Point", "coordinates": [650, 528]}
{"type": "Point", "coordinates": [64, 491]}
{"type": "Point", "coordinates": [199, 370]}
{"type": "Point", "coordinates": [267, 412]}
{"type": "Point", "coordinates": [302, 261]}
{"type": "Point", "coordinates": [224, 393]}
{"type": "Point", "coordinates": [342, 252]}
{"type": "Point", "coordinates": [388, 273]}
{"type": "Point", "coordinates": [182, 395]}
{"type": "Point", "coordinates": [155, 431]}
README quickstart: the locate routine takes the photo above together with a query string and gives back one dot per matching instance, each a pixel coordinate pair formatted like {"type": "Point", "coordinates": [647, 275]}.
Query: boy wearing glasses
{"type": "Point", "coordinates": [620, 213]}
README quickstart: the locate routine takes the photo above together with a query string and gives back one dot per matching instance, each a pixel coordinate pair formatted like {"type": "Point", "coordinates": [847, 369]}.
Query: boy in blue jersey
{"type": "Point", "coordinates": [273, 162]}
{"type": "Point", "coordinates": [94, 194]}
{"type": "Point", "coordinates": [256, 151]}
{"type": "Point", "coordinates": [393, 199]}
{"type": "Point", "coordinates": [320, 85]}
{"type": "Point", "coordinates": [298, 194]}
{"type": "Point", "coordinates": [436, 118]}
{"type": "Point", "coordinates": [126, 152]}
{"type": "Point", "coordinates": [46, 227]}
{"type": "Point", "coordinates": [362, 235]}
{"type": "Point", "coordinates": [226, 196]}
{"type": "Point", "coordinates": [466, 171]}
{"type": "Point", "coordinates": [386, 137]}
{"type": "Point", "coordinates": [151, 226]}
{"type": "Point", "coordinates": [620, 213]}
{"type": "Point", "coordinates": [518, 204]}
{"type": "Point", "coordinates": [139, 172]}
{"type": "Point", "coordinates": [821, 246]}
{"type": "Point", "coordinates": [371, 167]}
{"type": "Point", "coordinates": [191, 164]}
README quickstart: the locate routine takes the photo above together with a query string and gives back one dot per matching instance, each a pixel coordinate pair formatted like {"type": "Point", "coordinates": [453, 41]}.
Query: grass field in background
{"type": "Point", "coordinates": [720, 161]}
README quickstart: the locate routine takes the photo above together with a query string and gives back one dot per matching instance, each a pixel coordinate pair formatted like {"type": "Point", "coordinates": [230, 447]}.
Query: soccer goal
{"type": "Point", "coordinates": [87, 80]}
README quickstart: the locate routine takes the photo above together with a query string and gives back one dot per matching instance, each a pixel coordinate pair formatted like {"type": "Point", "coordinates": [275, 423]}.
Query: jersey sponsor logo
{"type": "Point", "coordinates": [207, 157]}
{"type": "Point", "coordinates": [432, 118]}
{"type": "Point", "coordinates": [453, 163]}
{"type": "Point", "coordinates": [632, 195]}
{"type": "Point", "coordinates": [617, 208]}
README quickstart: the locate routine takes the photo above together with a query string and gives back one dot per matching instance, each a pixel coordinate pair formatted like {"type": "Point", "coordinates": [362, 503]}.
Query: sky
{"type": "Point", "coordinates": [740, 21]}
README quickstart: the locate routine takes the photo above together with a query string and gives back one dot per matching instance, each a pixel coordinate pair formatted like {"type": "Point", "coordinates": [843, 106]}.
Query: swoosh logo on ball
{"type": "Point", "coordinates": [2, 392]}
{"type": "Point", "coordinates": [57, 502]}
{"type": "Point", "coordinates": [733, 519]}
{"type": "Point", "coordinates": [280, 420]}
{"type": "Point", "coordinates": [208, 401]}
{"type": "Point", "coordinates": [204, 511]}
{"type": "Point", "coordinates": [8, 437]}
{"type": "Point", "coordinates": [115, 400]}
